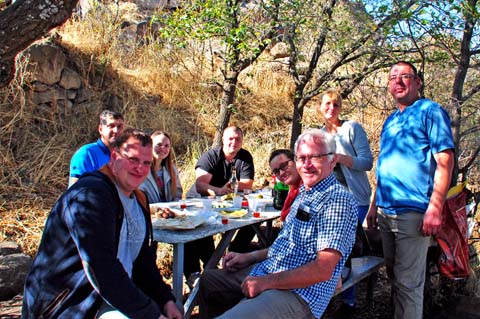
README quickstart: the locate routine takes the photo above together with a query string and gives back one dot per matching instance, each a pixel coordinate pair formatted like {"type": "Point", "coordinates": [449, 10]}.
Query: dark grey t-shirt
{"type": "Point", "coordinates": [213, 162]}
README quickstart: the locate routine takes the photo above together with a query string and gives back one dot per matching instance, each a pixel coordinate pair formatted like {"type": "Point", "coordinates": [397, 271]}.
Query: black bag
{"type": "Point", "coordinates": [374, 239]}
{"type": "Point", "coordinates": [361, 247]}
{"type": "Point", "coordinates": [361, 243]}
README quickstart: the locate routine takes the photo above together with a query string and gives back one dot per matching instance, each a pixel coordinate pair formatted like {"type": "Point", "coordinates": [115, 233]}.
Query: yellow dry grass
{"type": "Point", "coordinates": [160, 88]}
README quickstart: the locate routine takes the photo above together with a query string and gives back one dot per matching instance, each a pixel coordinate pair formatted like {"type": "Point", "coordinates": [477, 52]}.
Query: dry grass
{"type": "Point", "coordinates": [157, 92]}
{"type": "Point", "coordinates": [160, 88]}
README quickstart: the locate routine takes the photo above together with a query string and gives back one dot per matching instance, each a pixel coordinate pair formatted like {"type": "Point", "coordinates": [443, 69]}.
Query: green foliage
{"type": "Point", "coordinates": [240, 30]}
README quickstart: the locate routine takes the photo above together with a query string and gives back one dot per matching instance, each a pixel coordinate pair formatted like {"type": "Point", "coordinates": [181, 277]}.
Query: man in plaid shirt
{"type": "Point", "coordinates": [297, 275]}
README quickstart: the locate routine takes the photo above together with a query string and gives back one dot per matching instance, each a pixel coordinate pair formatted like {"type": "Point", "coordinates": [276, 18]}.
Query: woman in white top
{"type": "Point", "coordinates": [163, 183]}
{"type": "Point", "coordinates": [354, 159]}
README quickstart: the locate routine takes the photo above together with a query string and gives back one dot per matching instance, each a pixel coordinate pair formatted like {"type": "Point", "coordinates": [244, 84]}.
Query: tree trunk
{"type": "Point", "coordinates": [298, 107]}
{"type": "Point", "coordinates": [458, 84]}
{"type": "Point", "coordinates": [229, 88]}
{"type": "Point", "coordinates": [24, 22]}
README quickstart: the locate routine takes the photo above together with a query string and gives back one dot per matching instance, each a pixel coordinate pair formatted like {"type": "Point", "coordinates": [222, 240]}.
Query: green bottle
{"type": "Point", "coordinates": [280, 192]}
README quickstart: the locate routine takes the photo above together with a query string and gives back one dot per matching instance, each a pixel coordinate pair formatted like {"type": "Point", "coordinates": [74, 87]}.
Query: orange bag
{"type": "Point", "coordinates": [452, 238]}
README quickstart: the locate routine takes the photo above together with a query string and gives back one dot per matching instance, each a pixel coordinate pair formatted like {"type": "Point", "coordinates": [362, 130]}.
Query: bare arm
{"type": "Point", "coordinates": [203, 184]}
{"type": "Point", "coordinates": [372, 213]}
{"type": "Point", "coordinates": [441, 183]}
{"type": "Point", "coordinates": [319, 270]}
{"type": "Point", "coordinates": [245, 184]}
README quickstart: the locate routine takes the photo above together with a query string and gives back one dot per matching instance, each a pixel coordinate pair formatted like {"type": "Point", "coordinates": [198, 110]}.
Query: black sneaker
{"type": "Point", "coordinates": [345, 311]}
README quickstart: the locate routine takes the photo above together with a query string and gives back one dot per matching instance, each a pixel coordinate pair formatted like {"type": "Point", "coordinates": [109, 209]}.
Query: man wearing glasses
{"type": "Point", "coordinates": [282, 163]}
{"type": "Point", "coordinates": [297, 275]}
{"type": "Point", "coordinates": [97, 255]}
{"type": "Point", "coordinates": [413, 176]}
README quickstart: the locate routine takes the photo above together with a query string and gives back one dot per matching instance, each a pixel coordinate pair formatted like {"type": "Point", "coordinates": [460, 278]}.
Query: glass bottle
{"type": "Point", "coordinates": [280, 192]}
{"type": "Point", "coordinates": [234, 181]}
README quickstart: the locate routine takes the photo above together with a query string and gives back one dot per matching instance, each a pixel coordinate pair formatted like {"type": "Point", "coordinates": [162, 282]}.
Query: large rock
{"type": "Point", "coordinates": [52, 94]}
{"type": "Point", "coordinates": [70, 79]}
{"type": "Point", "coordinates": [158, 4]}
{"type": "Point", "coordinates": [14, 267]}
{"type": "Point", "coordinates": [280, 50]}
{"type": "Point", "coordinates": [9, 247]}
{"type": "Point", "coordinates": [46, 62]}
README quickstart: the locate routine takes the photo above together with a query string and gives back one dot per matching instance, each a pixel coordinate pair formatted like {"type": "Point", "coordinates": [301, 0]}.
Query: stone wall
{"type": "Point", "coordinates": [56, 82]}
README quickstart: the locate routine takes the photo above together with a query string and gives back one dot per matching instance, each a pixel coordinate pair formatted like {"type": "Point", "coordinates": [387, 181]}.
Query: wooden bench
{"type": "Point", "coordinates": [363, 267]}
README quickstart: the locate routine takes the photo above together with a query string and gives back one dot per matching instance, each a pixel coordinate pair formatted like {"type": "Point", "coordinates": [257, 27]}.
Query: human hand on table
{"type": "Point", "coordinates": [171, 311]}
{"type": "Point", "coordinates": [252, 286]}
{"type": "Point", "coordinates": [225, 189]}
{"type": "Point", "coordinates": [235, 261]}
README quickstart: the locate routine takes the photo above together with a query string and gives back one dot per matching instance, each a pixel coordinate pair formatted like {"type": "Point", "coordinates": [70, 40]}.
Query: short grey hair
{"type": "Point", "coordinates": [320, 138]}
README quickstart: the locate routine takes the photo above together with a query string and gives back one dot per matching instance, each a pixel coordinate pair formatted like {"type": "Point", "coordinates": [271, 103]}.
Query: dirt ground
{"type": "Point", "coordinates": [454, 306]}
{"type": "Point", "coordinates": [445, 299]}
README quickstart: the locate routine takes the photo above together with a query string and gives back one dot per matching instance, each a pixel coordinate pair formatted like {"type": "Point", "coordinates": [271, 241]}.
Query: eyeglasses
{"type": "Point", "coordinates": [281, 168]}
{"type": "Point", "coordinates": [393, 78]}
{"type": "Point", "coordinates": [134, 161]}
{"type": "Point", "coordinates": [312, 158]}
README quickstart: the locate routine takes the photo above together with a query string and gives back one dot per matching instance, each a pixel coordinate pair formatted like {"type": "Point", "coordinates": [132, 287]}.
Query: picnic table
{"type": "Point", "coordinates": [211, 226]}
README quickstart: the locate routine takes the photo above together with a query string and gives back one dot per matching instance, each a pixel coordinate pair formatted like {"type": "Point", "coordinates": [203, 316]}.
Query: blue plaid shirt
{"type": "Point", "coordinates": [332, 223]}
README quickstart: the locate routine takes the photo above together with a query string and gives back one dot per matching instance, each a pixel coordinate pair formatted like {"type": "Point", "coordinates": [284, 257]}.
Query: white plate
{"type": "Point", "coordinates": [191, 205]}
{"type": "Point", "coordinates": [184, 220]}
{"type": "Point", "coordinates": [221, 204]}
{"type": "Point", "coordinates": [267, 200]}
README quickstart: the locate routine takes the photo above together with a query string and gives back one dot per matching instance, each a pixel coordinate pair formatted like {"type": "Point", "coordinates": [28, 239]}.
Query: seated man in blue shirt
{"type": "Point", "coordinates": [90, 157]}
{"type": "Point", "coordinates": [297, 275]}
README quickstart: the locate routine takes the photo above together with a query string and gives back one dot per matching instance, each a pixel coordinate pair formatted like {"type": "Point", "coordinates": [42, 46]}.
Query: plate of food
{"type": "Point", "coordinates": [228, 197]}
{"type": "Point", "coordinates": [221, 204]}
{"type": "Point", "coordinates": [233, 212]}
{"type": "Point", "coordinates": [262, 198]}
{"type": "Point", "coordinates": [174, 219]}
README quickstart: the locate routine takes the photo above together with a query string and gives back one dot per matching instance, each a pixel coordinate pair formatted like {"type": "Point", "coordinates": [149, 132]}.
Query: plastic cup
{"type": "Point", "coordinates": [237, 202]}
{"type": "Point", "coordinates": [256, 214]}
{"type": "Point", "coordinates": [261, 206]}
{"type": "Point", "coordinates": [252, 204]}
{"type": "Point", "coordinates": [224, 220]}
{"type": "Point", "coordinates": [207, 204]}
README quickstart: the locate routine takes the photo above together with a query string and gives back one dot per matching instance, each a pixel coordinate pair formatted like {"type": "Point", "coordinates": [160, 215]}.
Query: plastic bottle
{"type": "Point", "coordinates": [280, 192]}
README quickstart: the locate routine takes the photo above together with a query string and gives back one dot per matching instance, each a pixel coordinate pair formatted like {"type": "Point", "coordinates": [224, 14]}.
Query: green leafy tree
{"type": "Point", "coordinates": [446, 35]}
{"type": "Point", "coordinates": [338, 44]}
{"type": "Point", "coordinates": [242, 32]}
